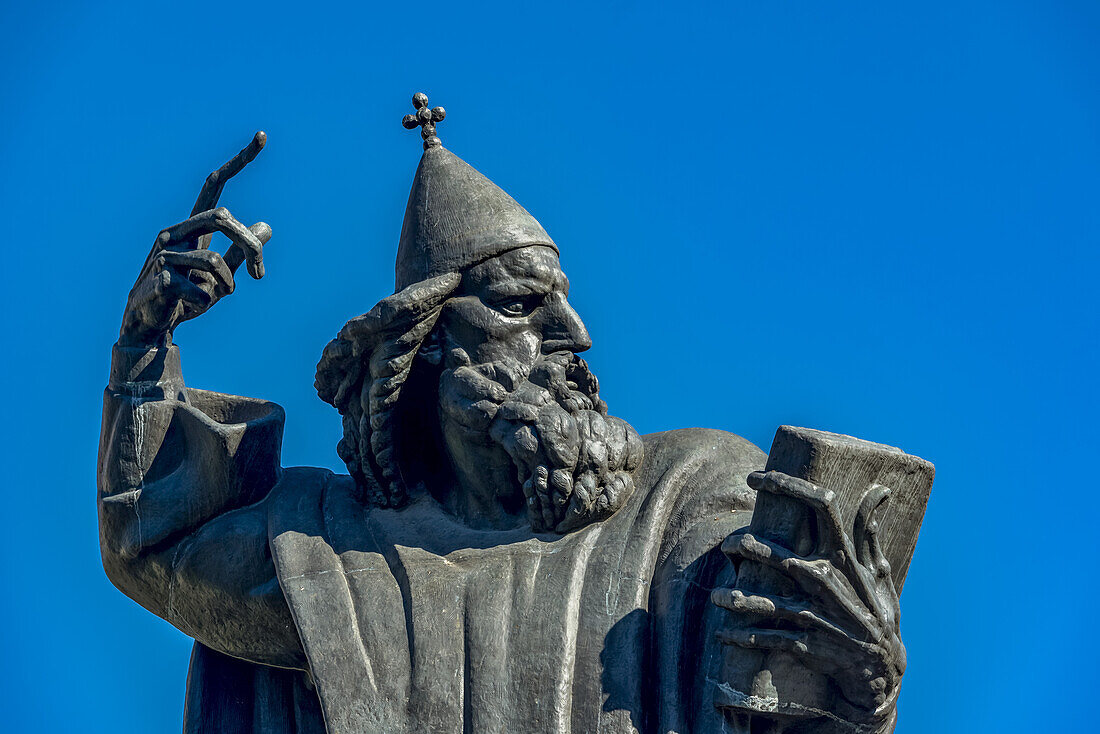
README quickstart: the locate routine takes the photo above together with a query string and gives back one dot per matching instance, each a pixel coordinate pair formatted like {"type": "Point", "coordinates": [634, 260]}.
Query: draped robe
{"type": "Point", "coordinates": [313, 612]}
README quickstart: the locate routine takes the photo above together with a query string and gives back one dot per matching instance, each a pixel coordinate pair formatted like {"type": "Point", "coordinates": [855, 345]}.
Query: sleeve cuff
{"type": "Point", "coordinates": [147, 372]}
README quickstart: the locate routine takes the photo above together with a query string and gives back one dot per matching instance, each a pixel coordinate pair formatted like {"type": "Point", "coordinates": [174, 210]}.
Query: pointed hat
{"type": "Point", "coordinates": [455, 217]}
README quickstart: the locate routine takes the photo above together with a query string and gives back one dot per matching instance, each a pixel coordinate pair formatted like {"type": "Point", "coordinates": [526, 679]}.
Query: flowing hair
{"type": "Point", "coordinates": [362, 372]}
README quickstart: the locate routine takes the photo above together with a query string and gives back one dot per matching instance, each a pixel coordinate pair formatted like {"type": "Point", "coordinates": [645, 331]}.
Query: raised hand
{"type": "Point", "coordinates": [182, 278]}
{"type": "Point", "coordinates": [842, 617]}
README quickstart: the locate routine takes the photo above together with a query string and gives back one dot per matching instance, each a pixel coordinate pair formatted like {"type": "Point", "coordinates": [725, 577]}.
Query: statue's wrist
{"type": "Point", "coordinates": [146, 371]}
{"type": "Point", "coordinates": [134, 335]}
{"type": "Point", "coordinates": [136, 341]}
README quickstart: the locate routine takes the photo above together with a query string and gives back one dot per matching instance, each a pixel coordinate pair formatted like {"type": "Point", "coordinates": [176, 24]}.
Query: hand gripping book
{"type": "Point", "coordinates": [774, 681]}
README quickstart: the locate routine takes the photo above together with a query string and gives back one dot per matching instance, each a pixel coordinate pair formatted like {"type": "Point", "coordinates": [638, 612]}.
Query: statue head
{"type": "Point", "coordinates": [466, 383]}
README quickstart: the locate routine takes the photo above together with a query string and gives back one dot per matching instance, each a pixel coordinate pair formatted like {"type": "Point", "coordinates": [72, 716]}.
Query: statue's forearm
{"type": "Point", "coordinates": [166, 469]}
{"type": "Point", "coordinates": [138, 533]}
{"type": "Point", "coordinates": [181, 531]}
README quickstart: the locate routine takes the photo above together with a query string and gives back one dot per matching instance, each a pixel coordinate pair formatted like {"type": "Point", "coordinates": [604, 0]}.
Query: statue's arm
{"type": "Point", "coordinates": [183, 476]}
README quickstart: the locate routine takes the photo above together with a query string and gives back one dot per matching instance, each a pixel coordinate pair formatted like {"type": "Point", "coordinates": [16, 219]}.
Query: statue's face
{"type": "Point", "coordinates": [520, 413]}
{"type": "Point", "coordinates": [514, 309]}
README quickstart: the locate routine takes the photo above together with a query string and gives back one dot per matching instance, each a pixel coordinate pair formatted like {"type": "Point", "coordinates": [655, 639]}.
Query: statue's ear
{"type": "Point", "coordinates": [431, 349]}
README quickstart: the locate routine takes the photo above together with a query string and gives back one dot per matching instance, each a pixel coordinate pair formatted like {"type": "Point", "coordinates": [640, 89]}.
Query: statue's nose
{"type": "Point", "coordinates": [563, 329]}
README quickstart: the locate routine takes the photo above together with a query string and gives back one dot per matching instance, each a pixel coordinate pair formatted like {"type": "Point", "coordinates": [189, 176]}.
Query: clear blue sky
{"type": "Point", "coordinates": [867, 219]}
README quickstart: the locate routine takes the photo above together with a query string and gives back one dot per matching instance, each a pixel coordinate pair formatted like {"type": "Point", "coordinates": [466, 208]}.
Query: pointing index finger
{"type": "Point", "coordinates": [215, 182]}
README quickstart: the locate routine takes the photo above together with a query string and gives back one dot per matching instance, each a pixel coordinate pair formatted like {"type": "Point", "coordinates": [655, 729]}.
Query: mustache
{"type": "Point", "coordinates": [563, 376]}
{"type": "Point", "coordinates": [573, 460]}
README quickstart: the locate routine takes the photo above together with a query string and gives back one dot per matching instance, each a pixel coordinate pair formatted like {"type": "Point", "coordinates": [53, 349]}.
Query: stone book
{"type": "Point", "coordinates": [777, 682]}
{"type": "Point", "coordinates": [849, 467]}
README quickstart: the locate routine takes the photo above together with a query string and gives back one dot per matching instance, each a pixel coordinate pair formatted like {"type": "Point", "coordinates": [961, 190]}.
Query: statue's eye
{"type": "Point", "coordinates": [518, 306]}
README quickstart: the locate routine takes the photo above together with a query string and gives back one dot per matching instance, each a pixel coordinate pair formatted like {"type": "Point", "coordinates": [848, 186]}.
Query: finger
{"type": "Point", "coordinates": [764, 639]}
{"type": "Point", "coordinates": [866, 530]}
{"type": "Point", "coordinates": [774, 607]}
{"type": "Point", "coordinates": [836, 543]}
{"type": "Point", "coordinates": [821, 500]}
{"type": "Point", "coordinates": [776, 482]}
{"type": "Point", "coordinates": [870, 669]}
{"type": "Point", "coordinates": [174, 285]}
{"type": "Point", "coordinates": [220, 220]}
{"type": "Point", "coordinates": [821, 652]}
{"type": "Point", "coordinates": [235, 255]}
{"type": "Point", "coordinates": [208, 222]}
{"type": "Point", "coordinates": [208, 285]}
{"type": "Point", "coordinates": [872, 569]}
{"type": "Point", "coordinates": [817, 579]}
{"type": "Point", "coordinates": [212, 188]}
{"type": "Point", "coordinates": [204, 260]}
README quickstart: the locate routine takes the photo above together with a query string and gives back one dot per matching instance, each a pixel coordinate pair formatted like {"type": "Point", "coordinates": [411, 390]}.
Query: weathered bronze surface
{"type": "Point", "coordinates": [504, 555]}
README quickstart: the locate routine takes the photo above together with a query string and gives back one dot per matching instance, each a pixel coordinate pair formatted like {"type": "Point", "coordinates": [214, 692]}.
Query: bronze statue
{"type": "Point", "coordinates": [504, 555]}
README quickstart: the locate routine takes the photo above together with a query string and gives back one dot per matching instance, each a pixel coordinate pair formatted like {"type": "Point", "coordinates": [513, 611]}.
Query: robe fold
{"type": "Point", "coordinates": [315, 613]}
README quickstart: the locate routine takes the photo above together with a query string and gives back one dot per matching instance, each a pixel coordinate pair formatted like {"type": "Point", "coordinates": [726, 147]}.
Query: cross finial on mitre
{"type": "Point", "coordinates": [426, 119]}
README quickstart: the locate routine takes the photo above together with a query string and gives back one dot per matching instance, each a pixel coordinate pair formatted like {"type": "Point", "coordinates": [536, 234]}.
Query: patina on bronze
{"type": "Point", "coordinates": [505, 554]}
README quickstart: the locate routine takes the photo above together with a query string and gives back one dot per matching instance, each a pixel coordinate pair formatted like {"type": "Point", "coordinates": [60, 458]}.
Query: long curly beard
{"type": "Point", "coordinates": [574, 462]}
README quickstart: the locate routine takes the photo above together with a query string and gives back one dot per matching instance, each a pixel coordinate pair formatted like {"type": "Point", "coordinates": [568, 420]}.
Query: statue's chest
{"type": "Point", "coordinates": [512, 637]}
